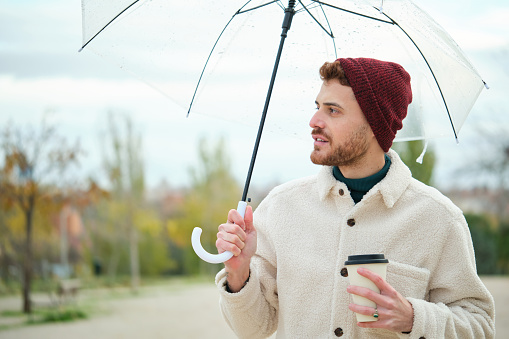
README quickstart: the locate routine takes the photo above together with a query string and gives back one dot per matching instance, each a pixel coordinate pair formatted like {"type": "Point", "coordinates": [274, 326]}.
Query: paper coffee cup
{"type": "Point", "coordinates": [373, 262]}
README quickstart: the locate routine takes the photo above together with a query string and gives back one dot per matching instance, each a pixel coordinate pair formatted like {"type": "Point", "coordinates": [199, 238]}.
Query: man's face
{"type": "Point", "coordinates": [341, 132]}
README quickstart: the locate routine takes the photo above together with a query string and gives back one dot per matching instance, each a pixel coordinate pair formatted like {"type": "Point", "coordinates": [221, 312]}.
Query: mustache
{"type": "Point", "coordinates": [320, 131]}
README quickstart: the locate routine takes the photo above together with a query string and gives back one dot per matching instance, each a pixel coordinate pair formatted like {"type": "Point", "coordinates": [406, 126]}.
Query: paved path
{"type": "Point", "coordinates": [157, 312]}
{"type": "Point", "coordinates": [176, 312]}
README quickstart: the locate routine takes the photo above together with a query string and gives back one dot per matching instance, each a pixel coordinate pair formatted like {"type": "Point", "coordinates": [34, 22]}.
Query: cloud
{"type": "Point", "coordinates": [67, 90]}
{"type": "Point", "coordinates": [490, 32]}
{"type": "Point", "coordinates": [41, 68]}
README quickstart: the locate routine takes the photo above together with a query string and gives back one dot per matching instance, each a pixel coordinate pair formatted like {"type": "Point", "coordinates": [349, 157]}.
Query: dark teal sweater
{"type": "Point", "coordinates": [359, 187]}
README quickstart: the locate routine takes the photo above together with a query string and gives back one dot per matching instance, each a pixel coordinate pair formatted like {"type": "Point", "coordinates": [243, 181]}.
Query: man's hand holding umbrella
{"type": "Point", "coordinates": [238, 236]}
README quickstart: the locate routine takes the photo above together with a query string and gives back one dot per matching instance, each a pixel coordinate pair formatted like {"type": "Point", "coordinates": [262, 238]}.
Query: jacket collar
{"type": "Point", "coordinates": [391, 187]}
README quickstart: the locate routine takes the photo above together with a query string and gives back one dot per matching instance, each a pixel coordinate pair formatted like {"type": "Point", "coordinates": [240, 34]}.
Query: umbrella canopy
{"type": "Point", "coordinates": [217, 58]}
{"type": "Point", "coordinates": [167, 44]}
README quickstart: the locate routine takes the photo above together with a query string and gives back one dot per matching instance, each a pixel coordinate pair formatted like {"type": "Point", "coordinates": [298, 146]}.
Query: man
{"type": "Point", "coordinates": [288, 274]}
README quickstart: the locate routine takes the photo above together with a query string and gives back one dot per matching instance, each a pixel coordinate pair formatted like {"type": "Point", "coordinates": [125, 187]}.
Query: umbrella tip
{"type": "Point", "coordinates": [79, 50]}
{"type": "Point", "coordinates": [421, 157]}
{"type": "Point", "coordinates": [486, 85]}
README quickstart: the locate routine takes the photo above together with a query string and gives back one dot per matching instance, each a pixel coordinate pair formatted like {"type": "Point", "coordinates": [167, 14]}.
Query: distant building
{"type": "Point", "coordinates": [481, 200]}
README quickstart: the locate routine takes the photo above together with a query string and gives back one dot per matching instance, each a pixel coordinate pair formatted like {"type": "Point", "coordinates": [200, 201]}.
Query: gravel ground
{"type": "Point", "coordinates": [177, 311]}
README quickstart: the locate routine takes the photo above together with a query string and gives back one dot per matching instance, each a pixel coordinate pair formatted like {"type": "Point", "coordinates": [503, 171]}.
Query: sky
{"type": "Point", "coordinates": [42, 74]}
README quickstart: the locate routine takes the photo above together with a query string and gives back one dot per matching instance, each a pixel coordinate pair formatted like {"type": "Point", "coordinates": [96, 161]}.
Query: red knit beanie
{"type": "Point", "coordinates": [383, 92]}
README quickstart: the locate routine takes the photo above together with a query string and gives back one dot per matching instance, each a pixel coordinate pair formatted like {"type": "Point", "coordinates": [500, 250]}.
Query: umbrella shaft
{"type": "Point", "coordinates": [289, 13]}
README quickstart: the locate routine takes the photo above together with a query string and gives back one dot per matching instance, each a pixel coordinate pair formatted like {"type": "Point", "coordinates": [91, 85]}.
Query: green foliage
{"type": "Point", "coordinates": [485, 242]}
{"type": "Point", "coordinates": [213, 193]}
{"type": "Point", "coordinates": [108, 237]}
{"type": "Point", "coordinates": [502, 238]}
{"type": "Point", "coordinates": [124, 166]}
{"type": "Point", "coordinates": [153, 241]}
{"type": "Point", "coordinates": [128, 236]}
{"type": "Point", "coordinates": [64, 314]}
{"type": "Point", "coordinates": [11, 313]}
{"type": "Point", "coordinates": [409, 151]}
{"type": "Point", "coordinates": [491, 243]}
{"type": "Point", "coordinates": [51, 314]}
{"type": "Point", "coordinates": [33, 181]}
{"type": "Point", "coordinates": [123, 162]}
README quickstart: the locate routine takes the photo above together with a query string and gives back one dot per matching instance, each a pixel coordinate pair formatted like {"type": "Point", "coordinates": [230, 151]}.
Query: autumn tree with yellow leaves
{"type": "Point", "coordinates": [34, 161]}
{"type": "Point", "coordinates": [213, 192]}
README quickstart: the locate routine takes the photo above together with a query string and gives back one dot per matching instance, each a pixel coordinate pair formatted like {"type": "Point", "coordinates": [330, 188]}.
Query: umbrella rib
{"type": "Point", "coordinates": [240, 11]}
{"type": "Point", "coordinates": [281, 4]}
{"type": "Point", "coordinates": [316, 20]}
{"type": "Point", "coordinates": [309, 7]}
{"type": "Point", "coordinates": [328, 24]}
{"type": "Point", "coordinates": [214, 47]}
{"type": "Point", "coordinates": [352, 12]}
{"type": "Point", "coordinates": [102, 29]}
{"type": "Point", "coordinates": [432, 73]}
{"type": "Point", "coordinates": [206, 63]}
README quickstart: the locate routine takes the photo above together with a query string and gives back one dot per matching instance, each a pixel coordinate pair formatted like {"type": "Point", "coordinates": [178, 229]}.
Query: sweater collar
{"type": "Point", "coordinates": [391, 187]}
{"type": "Point", "coordinates": [359, 187]}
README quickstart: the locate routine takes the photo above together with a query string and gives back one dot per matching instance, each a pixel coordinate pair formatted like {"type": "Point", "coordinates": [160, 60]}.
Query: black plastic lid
{"type": "Point", "coordinates": [366, 259]}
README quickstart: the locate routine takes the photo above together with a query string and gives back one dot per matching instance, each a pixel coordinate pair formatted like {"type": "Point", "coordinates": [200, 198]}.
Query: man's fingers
{"type": "Point", "coordinates": [366, 310]}
{"type": "Point", "coordinates": [245, 223]}
{"type": "Point", "coordinates": [395, 312]}
{"type": "Point", "coordinates": [233, 229]}
{"type": "Point", "coordinates": [234, 217]}
{"type": "Point", "coordinates": [375, 278]}
{"type": "Point", "coordinates": [231, 238]}
{"type": "Point", "coordinates": [223, 245]}
{"type": "Point", "coordinates": [377, 298]}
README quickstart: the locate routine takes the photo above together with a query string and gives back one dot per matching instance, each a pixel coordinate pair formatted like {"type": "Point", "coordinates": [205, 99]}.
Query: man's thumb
{"type": "Point", "coordinates": [248, 219]}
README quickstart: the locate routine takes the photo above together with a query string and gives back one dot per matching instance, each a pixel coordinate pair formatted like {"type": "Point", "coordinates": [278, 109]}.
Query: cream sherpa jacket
{"type": "Point", "coordinates": [308, 227]}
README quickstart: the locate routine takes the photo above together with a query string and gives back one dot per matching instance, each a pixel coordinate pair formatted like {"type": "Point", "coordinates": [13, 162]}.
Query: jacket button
{"type": "Point", "coordinates": [338, 332]}
{"type": "Point", "coordinates": [341, 191]}
{"type": "Point", "coordinates": [344, 272]}
{"type": "Point", "coordinates": [351, 222]}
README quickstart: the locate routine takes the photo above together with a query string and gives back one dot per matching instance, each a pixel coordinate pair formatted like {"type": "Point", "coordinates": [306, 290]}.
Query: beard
{"type": "Point", "coordinates": [351, 152]}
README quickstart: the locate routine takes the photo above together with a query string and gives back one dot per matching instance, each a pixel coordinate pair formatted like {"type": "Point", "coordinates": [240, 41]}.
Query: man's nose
{"type": "Point", "coordinates": [316, 120]}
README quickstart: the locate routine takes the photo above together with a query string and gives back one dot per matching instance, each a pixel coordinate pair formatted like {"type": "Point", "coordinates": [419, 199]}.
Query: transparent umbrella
{"type": "Point", "coordinates": [217, 57]}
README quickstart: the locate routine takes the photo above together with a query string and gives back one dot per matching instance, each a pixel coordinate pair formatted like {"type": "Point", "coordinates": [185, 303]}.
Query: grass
{"type": "Point", "coordinates": [64, 314]}
{"type": "Point", "coordinates": [43, 316]}
{"type": "Point", "coordinates": [91, 297]}
{"type": "Point", "coordinates": [11, 313]}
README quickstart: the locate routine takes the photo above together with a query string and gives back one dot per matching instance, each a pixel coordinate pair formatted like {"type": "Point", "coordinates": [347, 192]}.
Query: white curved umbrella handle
{"type": "Point", "coordinates": [206, 256]}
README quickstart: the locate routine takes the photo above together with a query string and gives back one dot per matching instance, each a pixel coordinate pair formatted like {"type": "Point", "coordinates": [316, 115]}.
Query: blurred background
{"type": "Point", "coordinates": [102, 180]}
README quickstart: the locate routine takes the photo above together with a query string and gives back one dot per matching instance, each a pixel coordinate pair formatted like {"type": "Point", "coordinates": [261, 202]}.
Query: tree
{"type": "Point", "coordinates": [153, 244]}
{"type": "Point", "coordinates": [125, 169]}
{"type": "Point", "coordinates": [74, 201]}
{"type": "Point", "coordinates": [502, 237]}
{"type": "Point", "coordinates": [35, 160]}
{"type": "Point", "coordinates": [214, 191]}
{"type": "Point", "coordinates": [491, 168]}
{"type": "Point", "coordinates": [485, 242]}
{"type": "Point", "coordinates": [488, 167]}
{"type": "Point", "coordinates": [409, 151]}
